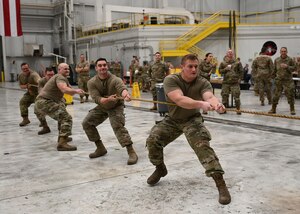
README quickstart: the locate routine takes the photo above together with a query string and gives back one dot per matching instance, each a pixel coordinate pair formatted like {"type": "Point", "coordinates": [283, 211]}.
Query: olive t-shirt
{"type": "Point", "coordinates": [31, 79]}
{"type": "Point", "coordinates": [194, 90]}
{"type": "Point", "coordinates": [51, 91]}
{"type": "Point", "coordinates": [99, 88]}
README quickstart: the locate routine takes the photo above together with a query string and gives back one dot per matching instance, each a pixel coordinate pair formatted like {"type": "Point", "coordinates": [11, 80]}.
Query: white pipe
{"type": "Point", "coordinates": [108, 9]}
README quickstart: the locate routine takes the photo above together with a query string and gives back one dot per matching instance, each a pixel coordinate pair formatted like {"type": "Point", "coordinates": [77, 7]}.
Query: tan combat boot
{"type": "Point", "coordinates": [160, 171]}
{"type": "Point", "coordinates": [133, 158]}
{"type": "Point", "coordinates": [292, 108]}
{"type": "Point", "coordinates": [273, 109]}
{"type": "Point", "coordinates": [238, 110]}
{"type": "Point", "coordinates": [25, 121]}
{"type": "Point", "coordinates": [81, 100]}
{"type": "Point", "coordinates": [69, 139]}
{"type": "Point", "coordinates": [154, 107]}
{"type": "Point", "coordinates": [64, 146]}
{"type": "Point", "coordinates": [44, 130]}
{"type": "Point", "coordinates": [224, 196]}
{"type": "Point", "coordinates": [100, 151]}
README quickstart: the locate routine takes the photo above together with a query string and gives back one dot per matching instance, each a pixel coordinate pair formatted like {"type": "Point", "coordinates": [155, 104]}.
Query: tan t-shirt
{"type": "Point", "coordinates": [31, 79]}
{"type": "Point", "coordinates": [51, 91]}
{"type": "Point", "coordinates": [193, 90]}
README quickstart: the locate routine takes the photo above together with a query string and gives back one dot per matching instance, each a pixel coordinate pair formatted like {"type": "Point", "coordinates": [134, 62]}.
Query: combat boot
{"type": "Point", "coordinates": [81, 100]}
{"type": "Point", "coordinates": [69, 139]}
{"type": "Point", "coordinates": [25, 121]}
{"type": "Point", "coordinates": [262, 103]}
{"type": "Point", "coordinates": [100, 151]}
{"type": "Point", "coordinates": [44, 130]}
{"type": "Point", "coordinates": [133, 158]}
{"type": "Point", "coordinates": [64, 146]}
{"type": "Point", "coordinates": [224, 196]}
{"type": "Point", "coordinates": [238, 111]}
{"type": "Point", "coordinates": [154, 107]}
{"type": "Point", "coordinates": [273, 109]}
{"type": "Point", "coordinates": [292, 108]}
{"type": "Point", "coordinates": [86, 98]}
{"type": "Point", "coordinates": [160, 171]}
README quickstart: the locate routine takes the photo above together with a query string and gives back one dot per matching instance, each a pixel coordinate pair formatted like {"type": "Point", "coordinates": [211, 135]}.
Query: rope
{"type": "Point", "coordinates": [232, 110]}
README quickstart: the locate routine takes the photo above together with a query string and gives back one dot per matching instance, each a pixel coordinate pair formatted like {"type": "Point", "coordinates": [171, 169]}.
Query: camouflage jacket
{"type": "Point", "coordinates": [284, 73]}
{"type": "Point", "coordinates": [262, 67]}
{"type": "Point", "coordinates": [232, 74]}
{"type": "Point", "coordinates": [158, 71]}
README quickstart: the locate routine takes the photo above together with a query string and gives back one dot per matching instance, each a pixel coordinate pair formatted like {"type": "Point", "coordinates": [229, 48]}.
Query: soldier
{"type": "Point", "coordinates": [145, 77]}
{"type": "Point", "coordinates": [116, 69]}
{"type": "Point", "coordinates": [138, 72]}
{"type": "Point", "coordinates": [263, 68]}
{"type": "Point", "coordinates": [42, 82]}
{"type": "Point", "coordinates": [49, 102]}
{"type": "Point", "coordinates": [190, 94]}
{"type": "Point", "coordinates": [157, 71]}
{"type": "Point", "coordinates": [28, 79]}
{"type": "Point", "coordinates": [232, 71]}
{"type": "Point", "coordinates": [83, 70]}
{"type": "Point", "coordinates": [106, 90]}
{"type": "Point", "coordinates": [206, 67]}
{"type": "Point", "coordinates": [284, 66]}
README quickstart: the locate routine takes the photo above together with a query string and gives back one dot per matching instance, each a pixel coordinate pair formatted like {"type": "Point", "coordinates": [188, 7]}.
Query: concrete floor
{"type": "Point", "coordinates": [260, 155]}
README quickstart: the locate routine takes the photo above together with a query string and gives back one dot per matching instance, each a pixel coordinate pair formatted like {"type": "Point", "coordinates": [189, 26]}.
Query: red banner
{"type": "Point", "coordinates": [10, 18]}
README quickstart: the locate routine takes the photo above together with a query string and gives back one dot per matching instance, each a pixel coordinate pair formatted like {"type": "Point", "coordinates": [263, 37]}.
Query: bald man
{"type": "Point", "coordinates": [49, 102]}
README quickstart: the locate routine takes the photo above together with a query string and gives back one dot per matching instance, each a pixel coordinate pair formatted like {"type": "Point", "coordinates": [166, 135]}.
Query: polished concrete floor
{"type": "Point", "coordinates": [260, 155]}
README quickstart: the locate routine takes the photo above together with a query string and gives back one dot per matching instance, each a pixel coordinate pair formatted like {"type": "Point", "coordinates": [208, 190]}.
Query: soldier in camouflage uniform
{"type": "Point", "coordinates": [28, 79]}
{"type": "Point", "coordinates": [263, 68]}
{"type": "Point", "coordinates": [83, 70]}
{"type": "Point", "coordinates": [145, 77]}
{"type": "Point", "coordinates": [157, 72]}
{"type": "Point", "coordinates": [284, 66]}
{"type": "Point", "coordinates": [190, 93]}
{"type": "Point", "coordinates": [232, 71]}
{"type": "Point", "coordinates": [42, 82]}
{"type": "Point", "coordinates": [109, 93]}
{"type": "Point", "coordinates": [206, 68]}
{"type": "Point", "coordinates": [116, 69]}
{"type": "Point", "coordinates": [49, 102]}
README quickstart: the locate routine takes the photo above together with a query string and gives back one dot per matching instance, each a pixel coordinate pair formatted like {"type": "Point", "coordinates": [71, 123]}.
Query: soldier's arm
{"type": "Point", "coordinates": [64, 88]}
{"type": "Point", "coordinates": [271, 67]}
{"type": "Point", "coordinates": [292, 65]}
{"type": "Point", "coordinates": [86, 68]}
{"type": "Point", "coordinates": [222, 69]}
{"type": "Point", "coordinates": [78, 69]}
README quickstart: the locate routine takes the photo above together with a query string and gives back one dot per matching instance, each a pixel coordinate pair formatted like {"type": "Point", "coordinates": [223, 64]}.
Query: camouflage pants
{"type": "Point", "coordinates": [289, 90]}
{"type": "Point", "coordinates": [116, 117]}
{"type": "Point", "coordinates": [153, 89]}
{"type": "Point", "coordinates": [264, 84]}
{"type": "Point", "coordinates": [197, 135]}
{"type": "Point", "coordinates": [82, 84]}
{"type": "Point", "coordinates": [57, 111]}
{"type": "Point", "coordinates": [25, 102]}
{"type": "Point", "coordinates": [236, 92]}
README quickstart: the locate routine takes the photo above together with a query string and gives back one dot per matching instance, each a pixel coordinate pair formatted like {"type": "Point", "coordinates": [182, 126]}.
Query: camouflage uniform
{"type": "Point", "coordinates": [157, 72]}
{"type": "Point", "coordinates": [187, 121]}
{"type": "Point", "coordinates": [145, 78]}
{"type": "Point", "coordinates": [116, 69]}
{"type": "Point", "coordinates": [83, 77]}
{"type": "Point", "coordinates": [263, 67]}
{"type": "Point", "coordinates": [32, 91]}
{"type": "Point", "coordinates": [231, 81]}
{"type": "Point", "coordinates": [284, 80]}
{"type": "Point", "coordinates": [206, 69]}
{"type": "Point", "coordinates": [113, 110]}
{"type": "Point", "coordinates": [49, 102]}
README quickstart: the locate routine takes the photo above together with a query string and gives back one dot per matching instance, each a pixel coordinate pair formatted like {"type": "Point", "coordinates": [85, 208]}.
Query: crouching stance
{"type": "Point", "coordinates": [49, 102]}
{"type": "Point", "coordinates": [109, 92]}
{"type": "Point", "coordinates": [190, 93]}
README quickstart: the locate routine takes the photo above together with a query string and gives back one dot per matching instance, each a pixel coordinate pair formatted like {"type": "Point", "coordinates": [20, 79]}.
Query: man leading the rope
{"type": "Point", "coordinates": [190, 93]}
